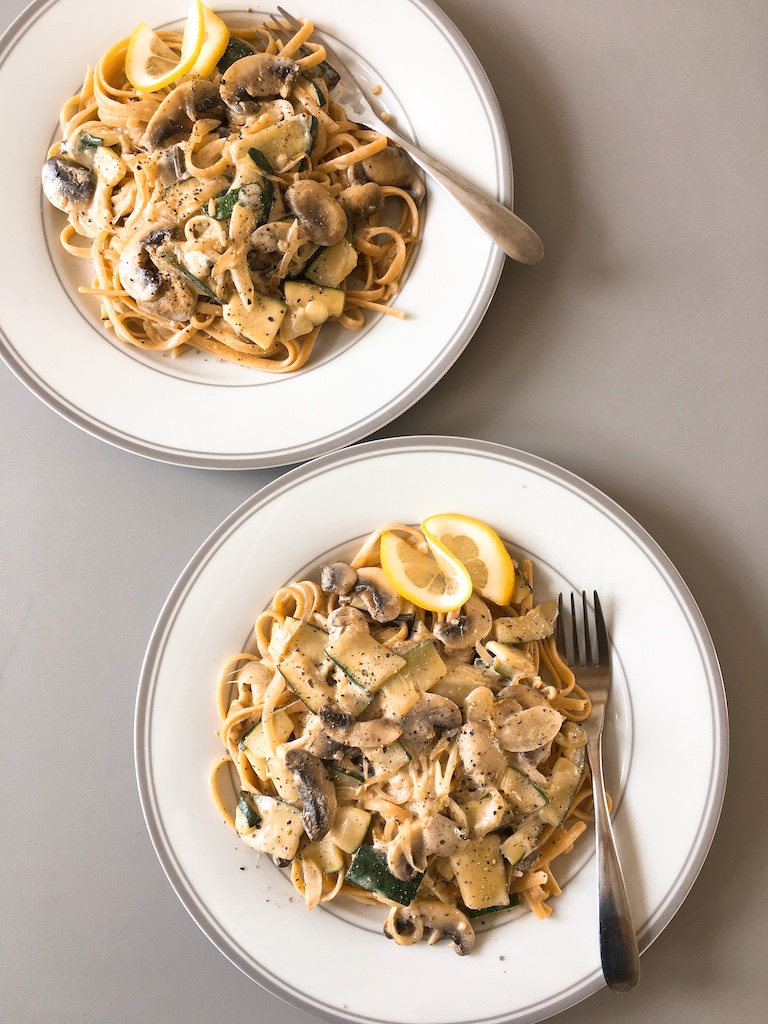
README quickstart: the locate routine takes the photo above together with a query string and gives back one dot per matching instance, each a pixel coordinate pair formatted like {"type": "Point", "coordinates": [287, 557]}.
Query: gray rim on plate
{"type": "Point", "coordinates": [700, 843]}
{"type": "Point", "coordinates": [412, 390]}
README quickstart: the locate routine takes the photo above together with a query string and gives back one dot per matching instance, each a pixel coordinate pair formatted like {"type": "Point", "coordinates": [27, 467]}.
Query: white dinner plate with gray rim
{"type": "Point", "coordinates": [667, 722]}
{"type": "Point", "coordinates": [199, 411]}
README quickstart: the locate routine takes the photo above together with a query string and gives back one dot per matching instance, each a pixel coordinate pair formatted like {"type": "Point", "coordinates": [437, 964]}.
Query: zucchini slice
{"type": "Point", "coordinates": [282, 144]}
{"type": "Point", "coordinates": [364, 660]}
{"type": "Point", "coordinates": [246, 815]}
{"type": "Point", "coordinates": [389, 758]}
{"type": "Point", "coordinates": [536, 624]}
{"type": "Point", "coordinates": [303, 665]}
{"type": "Point", "coordinates": [279, 830]}
{"type": "Point", "coordinates": [350, 827]}
{"type": "Point", "coordinates": [333, 264]}
{"type": "Point", "coordinates": [562, 787]}
{"type": "Point", "coordinates": [369, 870]}
{"type": "Point", "coordinates": [523, 795]}
{"type": "Point", "coordinates": [259, 322]}
{"type": "Point", "coordinates": [481, 874]}
{"type": "Point", "coordinates": [423, 669]}
{"type": "Point", "coordinates": [315, 301]}
{"type": "Point", "coordinates": [255, 744]}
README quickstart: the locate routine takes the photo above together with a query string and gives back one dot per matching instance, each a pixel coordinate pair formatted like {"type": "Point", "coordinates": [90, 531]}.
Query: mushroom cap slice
{"type": "Point", "coordinates": [377, 595]}
{"type": "Point", "coordinates": [343, 728]}
{"type": "Point", "coordinates": [69, 187]}
{"type": "Point", "coordinates": [317, 792]}
{"type": "Point", "coordinates": [254, 78]}
{"type": "Point", "coordinates": [529, 729]}
{"type": "Point", "coordinates": [390, 166]}
{"type": "Point", "coordinates": [176, 115]}
{"type": "Point", "coordinates": [337, 578]}
{"type": "Point", "coordinates": [322, 219]}
{"type": "Point", "coordinates": [468, 628]}
{"type": "Point", "coordinates": [408, 925]}
{"type": "Point", "coordinates": [153, 281]}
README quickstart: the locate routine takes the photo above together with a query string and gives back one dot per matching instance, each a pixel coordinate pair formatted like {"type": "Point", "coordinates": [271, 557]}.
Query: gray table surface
{"type": "Point", "coordinates": [634, 355]}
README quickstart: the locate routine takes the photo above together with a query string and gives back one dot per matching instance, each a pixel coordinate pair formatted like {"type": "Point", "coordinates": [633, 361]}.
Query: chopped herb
{"type": "Point", "coordinates": [224, 203]}
{"type": "Point", "coordinates": [191, 277]}
{"type": "Point", "coordinates": [88, 141]}
{"type": "Point", "coordinates": [260, 160]}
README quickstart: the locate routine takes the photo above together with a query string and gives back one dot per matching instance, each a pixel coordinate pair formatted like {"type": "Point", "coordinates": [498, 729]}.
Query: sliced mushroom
{"type": "Point", "coordinates": [69, 187]}
{"type": "Point", "coordinates": [151, 279]}
{"type": "Point", "coordinates": [377, 595]}
{"type": "Point", "coordinates": [360, 202]}
{"type": "Point", "coordinates": [525, 695]}
{"type": "Point", "coordinates": [345, 729]}
{"type": "Point", "coordinates": [479, 705]}
{"type": "Point", "coordinates": [258, 77]}
{"type": "Point", "coordinates": [176, 115]}
{"type": "Point", "coordinates": [481, 756]}
{"type": "Point", "coordinates": [390, 166]}
{"type": "Point", "coordinates": [345, 619]}
{"type": "Point", "coordinates": [268, 244]}
{"type": "Point", "coordinates": [433, 715]}
{"type": "Point", "coordinates": [322, 219]}
{"type": "Point", "coordinates": [420, 838]}
{"type": "Point", "coordinates": [467, 629]}
{"type": "Point", "coordinates": [408, 925]}
{"type": "Point", "coordinates": [337, 578]}
{"type": "Point", "coordinates": [529, 729]}
{"type": "Point", "coordinates": [317, 792]}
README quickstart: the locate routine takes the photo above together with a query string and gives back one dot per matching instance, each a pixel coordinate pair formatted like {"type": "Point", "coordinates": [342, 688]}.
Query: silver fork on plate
{"type": "Point", "coordinates": [619, 953]}
{"type": "Point", "coordinates": [509, 232]}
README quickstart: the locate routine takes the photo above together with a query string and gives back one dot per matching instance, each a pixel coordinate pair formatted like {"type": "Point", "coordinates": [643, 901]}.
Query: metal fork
{"type": "Point", "coordinates": [619, 953]}
{"type": "Point", "coordinates": [510, 233]}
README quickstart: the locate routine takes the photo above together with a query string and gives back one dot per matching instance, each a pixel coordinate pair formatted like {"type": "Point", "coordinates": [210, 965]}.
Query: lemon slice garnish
{"type": "Point", "coordinates": [437, 582]}
{"type": "Point", "coordinates": [479, 549]}
{"type": "Point", "coordinates": [150, 64]}
{"type": "Point", "coordinates": [215, 39]}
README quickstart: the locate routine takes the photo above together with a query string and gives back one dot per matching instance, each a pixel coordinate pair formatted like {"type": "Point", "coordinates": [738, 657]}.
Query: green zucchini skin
{"type": "Point", "coordinates": [369, 870]}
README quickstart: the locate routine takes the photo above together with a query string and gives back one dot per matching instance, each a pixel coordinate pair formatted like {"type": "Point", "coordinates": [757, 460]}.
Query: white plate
{"type": "Point", "coordinates": [195, 410]}
{"type": "Point", "coordinates": [667, 734]}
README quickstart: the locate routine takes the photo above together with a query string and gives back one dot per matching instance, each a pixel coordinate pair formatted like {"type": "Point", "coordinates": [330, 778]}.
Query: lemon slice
{"type": "Point", "coordinates": [479, 549]}
{"type": "Point", "coordinates": [150, 64]}
{"type": "Point", "coordinates": [439, 583]}
{"type": "Point", "coordinates": [215, 39]}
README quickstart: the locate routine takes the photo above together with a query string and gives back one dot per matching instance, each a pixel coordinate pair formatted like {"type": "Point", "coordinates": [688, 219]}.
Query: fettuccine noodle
{"type": "Point", "coordinates": [403, 758]}
{"type": "Point", "coordinates": [235, 213]}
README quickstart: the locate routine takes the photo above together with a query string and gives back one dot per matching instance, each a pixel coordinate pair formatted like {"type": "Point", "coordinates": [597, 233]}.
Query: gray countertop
{"type": "Point", "coordinates": [634, 355]}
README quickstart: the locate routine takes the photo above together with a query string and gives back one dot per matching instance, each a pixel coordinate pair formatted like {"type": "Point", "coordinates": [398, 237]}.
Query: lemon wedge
{"type": "Point", "coordinates": [437, 582]}
{"type": "Point", "coordinates": [479, 549]}
{"type": "Point", "coordinates": [150, 64]}
{"type": "Point", "coordinates": [215, 39]}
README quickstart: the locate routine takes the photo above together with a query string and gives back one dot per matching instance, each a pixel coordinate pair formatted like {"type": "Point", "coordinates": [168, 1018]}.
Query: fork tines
{"type": "Point", "coordinates": [578, 647]}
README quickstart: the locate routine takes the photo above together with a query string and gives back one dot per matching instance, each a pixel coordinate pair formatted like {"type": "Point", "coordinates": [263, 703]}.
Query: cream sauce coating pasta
{"type": "Point", "coordinates": [415, 761]}
{"type": "Point", "coordinates": [235, 213]}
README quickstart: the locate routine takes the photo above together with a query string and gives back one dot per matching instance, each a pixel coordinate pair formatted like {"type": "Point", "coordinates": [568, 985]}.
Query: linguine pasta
{"type": "Point", "coordinates": [430, 764]}
{"type": "Point", "coordinates": [233, 213]}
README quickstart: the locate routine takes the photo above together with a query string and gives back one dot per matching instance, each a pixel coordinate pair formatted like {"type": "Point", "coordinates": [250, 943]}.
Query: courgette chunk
{"type": "Point", "coordinates": [282, 144]}
{"type": "Point", "coordinates": [369, 870]}
{"type": "Point", "coordinates": [536, 624]}
{"type": "Point", "coordinates": [236, 50]}
{"type": "Point", "coordinates": [364, 660]}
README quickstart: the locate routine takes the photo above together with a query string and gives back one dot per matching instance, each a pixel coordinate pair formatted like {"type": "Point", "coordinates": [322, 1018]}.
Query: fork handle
{"type": "Point", "coordinates": [506, 229]}
{"type": "Point", "coordinates": [619, 952]}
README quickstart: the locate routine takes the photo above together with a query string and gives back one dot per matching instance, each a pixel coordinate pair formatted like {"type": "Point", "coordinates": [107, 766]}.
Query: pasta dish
{"type": "Point", "coordinates": [431, 763]}
{"type": "Point", "coordinates": [236, 209]}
